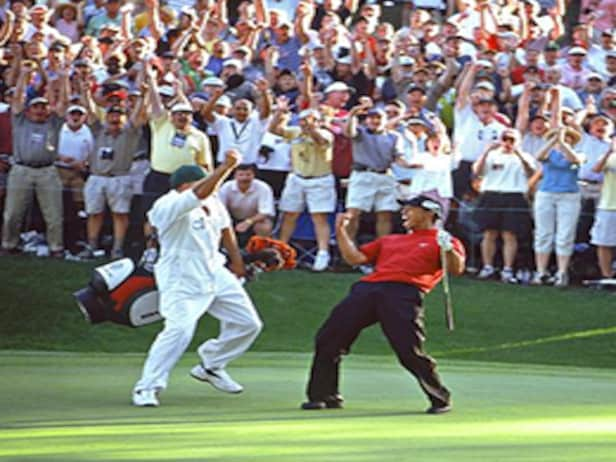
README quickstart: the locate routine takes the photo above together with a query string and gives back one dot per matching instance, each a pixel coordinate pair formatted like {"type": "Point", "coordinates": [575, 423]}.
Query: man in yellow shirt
{"type": "Point", "coordinates": [311, 183]}
{"type": "Point", "coordinates": [174, 142]}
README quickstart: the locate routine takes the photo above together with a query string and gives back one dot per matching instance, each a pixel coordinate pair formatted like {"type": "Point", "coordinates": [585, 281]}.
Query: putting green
{"type": "Point", "coordinates": [75, 407]}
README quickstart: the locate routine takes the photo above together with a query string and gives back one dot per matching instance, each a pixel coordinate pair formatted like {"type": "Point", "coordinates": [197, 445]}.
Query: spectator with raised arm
{"type": "Point", "coordinates": [503, 208]}
{"type": "Point", "coordinates": [557, 204]}
{"type": "Point", "coordinates": [311, 183]}
{"type": "Point", "coordinates": [245, 127]}
{"type": "Point", "coordinates": [116, 140]}
{"type": "Point", "coordinates": [36, 126]}
{"type": "Point", "coordinates": [371, 185]}
{"type": "Point", "coordinates": [174, 142]}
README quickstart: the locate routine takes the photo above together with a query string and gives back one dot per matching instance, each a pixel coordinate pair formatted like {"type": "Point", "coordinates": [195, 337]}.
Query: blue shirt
{"type": "Point", "coordinates": [559, 174]}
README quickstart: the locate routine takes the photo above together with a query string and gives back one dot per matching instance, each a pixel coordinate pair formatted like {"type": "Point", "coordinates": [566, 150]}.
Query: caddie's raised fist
{"type": "Point", "coordinates": [232, 158]}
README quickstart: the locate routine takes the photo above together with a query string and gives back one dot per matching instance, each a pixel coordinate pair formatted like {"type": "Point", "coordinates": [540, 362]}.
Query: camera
{"type": "Point", "coordinates": [106, 153]}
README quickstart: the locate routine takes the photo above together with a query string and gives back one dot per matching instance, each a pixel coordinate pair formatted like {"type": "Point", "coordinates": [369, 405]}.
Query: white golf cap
{"type": "Point", "coordinates": [484, 85]}
{"type": "Point", "coordinates": [188, 11]}
{"type": "Point", "coordinates": [337, 86]}
{"type": "Point", "coordinates": [309, 112]}
{"type": "Point", "coordinates": [595, 75]}
{"type": "Point", "coordinates": [344, 59]}
{"type": "Point", "coordinates": [181, 107]}
{"type": "Point", "coordinates": [484, 63]}
{"type": "Point", "coordinates": [166, 90]}
{"type": "Point", "coordinates": [224, 101]}
{"type": "Point", "coordinates": [406, 61]}
{"type": "Point", "coordinates": [76, 108]}
{"type": "Point", "coordinates": [577, 51]}
{"type": "Point", "coordinates": [38, 100]}
{"type": "Point", "coordinates": [233, 62]}
{"type": "Point", "coordinates": [213, 81]}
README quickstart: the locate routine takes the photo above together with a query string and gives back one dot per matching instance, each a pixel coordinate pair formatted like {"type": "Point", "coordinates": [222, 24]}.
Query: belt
{"type": "Point", "coordinates": [311, 177]}
{"type": "Point", "coordinates": [363, 168]}
{"type": "Point", "coordinates": [34, 165]}
{"type": "Point", "coordinates": [590, 182]}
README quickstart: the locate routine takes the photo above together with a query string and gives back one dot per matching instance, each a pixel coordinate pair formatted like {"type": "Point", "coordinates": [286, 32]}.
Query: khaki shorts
{"type": "Point", "coordinates": [116, 191]}
{"type": "Point", "coordinates": [319, 194]}
{"type": "Point", "coordinates": [369, 191]}
{"type": "Point", "coordinates": [603, 230]}
{"type": "Point", "coordinates": [72, 181]}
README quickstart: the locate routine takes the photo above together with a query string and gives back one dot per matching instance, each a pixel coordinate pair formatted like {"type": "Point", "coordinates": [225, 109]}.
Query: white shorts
{"type": "Point", "coordinates": [318, 193]}
{"type": "Point", "coordinates": [603, 230]}
{"type": "Point", "coordinates": [370, 191]}
{"type": "Point", "coordinates": [117, 191]}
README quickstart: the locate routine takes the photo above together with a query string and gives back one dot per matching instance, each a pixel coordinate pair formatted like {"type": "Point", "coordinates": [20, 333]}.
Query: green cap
{"type": "Point", "coordinates": [186, 174]}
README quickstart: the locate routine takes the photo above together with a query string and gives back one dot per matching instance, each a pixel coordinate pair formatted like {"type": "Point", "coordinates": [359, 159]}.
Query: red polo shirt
{"type": "Point", "coordinates": [412, 258]}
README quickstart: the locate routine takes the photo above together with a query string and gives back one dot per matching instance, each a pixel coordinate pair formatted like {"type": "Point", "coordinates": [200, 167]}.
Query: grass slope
{"type": "Point", "coordinates": [74, 407]}
{"type": "Point", "coordinates": [494, 322]}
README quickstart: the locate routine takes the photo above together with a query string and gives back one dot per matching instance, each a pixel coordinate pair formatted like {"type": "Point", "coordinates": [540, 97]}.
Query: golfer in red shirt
{"type": "Point", "coordinates": [407, 266]}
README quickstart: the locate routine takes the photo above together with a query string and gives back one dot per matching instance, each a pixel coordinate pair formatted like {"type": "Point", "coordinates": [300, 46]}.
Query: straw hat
{"type": "Point", "coordinates": [63, 6]}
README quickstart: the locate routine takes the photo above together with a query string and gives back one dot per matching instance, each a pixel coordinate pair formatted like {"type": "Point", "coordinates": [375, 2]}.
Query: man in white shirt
{"type": "Point", "coordinates": [74, 146]}
{"type": "Point", "coordinates": [244, 130]}
{"type": "Point", "coordinates": [476, 127]}
{"type": "Point", "coordinates": [503, 208]}
{"type": "Point", "coordinates": [192, 279]}
{"type": "Point", "coordinates": [250, 203]}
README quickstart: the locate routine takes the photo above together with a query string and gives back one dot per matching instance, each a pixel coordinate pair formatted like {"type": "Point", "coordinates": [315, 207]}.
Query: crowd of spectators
{"type": "Point", "coordinates": [505, 109]}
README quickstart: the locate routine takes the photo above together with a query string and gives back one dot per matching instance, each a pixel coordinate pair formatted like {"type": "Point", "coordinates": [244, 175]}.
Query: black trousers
{"type": "Point", "coordinates": [397, 307]}
{"type": "Point", "coordinates": [155, 185]}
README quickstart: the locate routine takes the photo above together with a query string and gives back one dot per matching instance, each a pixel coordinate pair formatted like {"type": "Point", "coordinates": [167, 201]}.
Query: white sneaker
{"type": "Point", "coordinates": [508, 277]}
{"type": "Point", "coordinates": [218, 378]}
{"type": "Point", "coordinates": [145, 398]}
{"type": "Point", "coordinates": [486, 272]}
{"type": "Point", "coordinates": [321, 262]}
{"type": "Point", "coordinates": [561, 280]}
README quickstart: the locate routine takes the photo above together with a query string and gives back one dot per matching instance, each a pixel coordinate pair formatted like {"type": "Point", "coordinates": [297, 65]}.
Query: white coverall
{"type": "Point", "coordinates": [192, 280]}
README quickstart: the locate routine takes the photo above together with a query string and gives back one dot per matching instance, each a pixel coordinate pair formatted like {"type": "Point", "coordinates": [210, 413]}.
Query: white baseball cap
{"type": "Point", "coordinates": [224, 101]}
{"type": "Point", "coordinates": [166, 90]}
{"type": "Point", "coordinates": [337, 86]}
{"type": "Point", "coordinates": [181, 107]}
{"type": "Point", "coordinates": [406, 61]}
{"type": "Point", "coordinates": [344, 59]}
{"type": "Point", "coordinates": [233, 62]}
{"type": "Point", "coordinates": [576, 51]}
{"type": "Point", "coordinates": [76, 108]}
{"type": "Point", "coordinates": [213, 81]}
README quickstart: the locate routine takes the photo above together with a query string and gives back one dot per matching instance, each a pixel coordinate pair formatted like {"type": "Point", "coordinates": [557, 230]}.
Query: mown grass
{"type": "Point", "coordinates": [494, 322]}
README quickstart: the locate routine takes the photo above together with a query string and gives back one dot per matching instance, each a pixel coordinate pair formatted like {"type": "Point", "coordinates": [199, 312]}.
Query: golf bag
{"type": "Point", "coordinates": [121, 293]}
{"type": "Point", "coordinates": [126, 294]}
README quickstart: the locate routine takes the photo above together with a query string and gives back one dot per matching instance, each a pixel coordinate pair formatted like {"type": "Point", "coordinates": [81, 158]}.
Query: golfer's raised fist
{"type": "Point", "coordinates": [232, 158]}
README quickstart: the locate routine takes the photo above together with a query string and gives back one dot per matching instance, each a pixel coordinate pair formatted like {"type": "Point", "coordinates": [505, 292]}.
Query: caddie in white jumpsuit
{"type": "Point", "coordinates": [192, 279]}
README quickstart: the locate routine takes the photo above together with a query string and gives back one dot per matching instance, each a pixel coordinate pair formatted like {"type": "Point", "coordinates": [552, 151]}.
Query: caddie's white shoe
{"type": "Point", "coordinates": [321, 261]}
{"type": "Point", "coordinates": [145, 398]}
{"type": "Point", "coordinates": [218, 378]}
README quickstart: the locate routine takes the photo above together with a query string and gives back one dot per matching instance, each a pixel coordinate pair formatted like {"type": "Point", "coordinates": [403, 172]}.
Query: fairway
{"type": "Point", "coordinates": [75, 407]}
